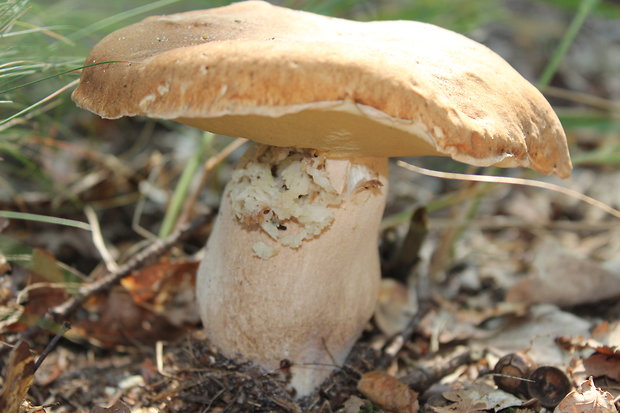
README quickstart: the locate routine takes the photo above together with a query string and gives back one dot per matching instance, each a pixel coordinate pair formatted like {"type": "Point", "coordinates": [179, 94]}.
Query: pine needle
{"type": "Point", "coordinates": [513, 181]}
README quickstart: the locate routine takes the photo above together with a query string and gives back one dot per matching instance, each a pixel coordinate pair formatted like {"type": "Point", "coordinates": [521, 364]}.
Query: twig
{"type": "Point", "coordinates": [156, 249]}
{"type": "Point", "coordinates": [183, 186]}
{"type": "Point", "coordinates": [159, 355]}
{"type": "Point", "coordinates": [406, 255]}
{"type": "Point", "coordinates": [209, 166]}
{"type": "Point", "coordinates": [110, 263]}
{"type": "Point", "coordinates": [51, 345]}
{"type": "Point", "coordinates": [583, 98]}
{"type": "Point", "coordinates": [62, 312]}
{"type": "Point", "coordinates": [37, 104]}
{"type": "Point", "coordinates": [425, 304]}
{"type": "Point", "coordinates": [424, 376]}
{"type": "Point", "coordinates": [514, 181]}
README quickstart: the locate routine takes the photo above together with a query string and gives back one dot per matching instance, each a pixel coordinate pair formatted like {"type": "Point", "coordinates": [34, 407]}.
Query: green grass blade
{"type": "Point", "coordinates": [585, 7]}
{"type": "Point", "coordinates": [44, 218]}
{"type": "Point", "coordinates": [28, 31]}
{"type": "Point", "coordinates": [54, 76]}
{"type": "Point", "coordinates": [109, 21]}
{"type": "Point", "coordinates": [39, 103]}
{"type": "Point", "coordinates": [10, 11]}
{"type": "Point", "coordinates": [180, 192]}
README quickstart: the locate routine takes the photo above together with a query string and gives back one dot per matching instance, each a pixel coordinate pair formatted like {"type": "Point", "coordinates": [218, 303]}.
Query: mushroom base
{"type": "Point", "coordinates": [308, 304]}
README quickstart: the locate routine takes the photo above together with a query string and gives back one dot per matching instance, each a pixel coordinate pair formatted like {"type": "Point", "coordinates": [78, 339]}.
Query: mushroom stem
{"type": "Point", "coordinates": [306, 304]}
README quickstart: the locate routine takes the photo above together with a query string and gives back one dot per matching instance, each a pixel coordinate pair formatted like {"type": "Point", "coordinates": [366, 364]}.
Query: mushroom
{"type": "Point", "coordinates": [290, 275]}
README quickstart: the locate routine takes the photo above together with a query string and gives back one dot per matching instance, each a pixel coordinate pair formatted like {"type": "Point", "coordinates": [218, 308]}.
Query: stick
{"type": "Point", "coordinates": [51, 345]}
{"type": "Point", "coordinates": [423, 377]}
{"type": "Point", "coordinates": [393, 346]}
{"type": "Point", "coordinates": [154, 250]}
{"type": "Point", "coordinates": [62, 312]}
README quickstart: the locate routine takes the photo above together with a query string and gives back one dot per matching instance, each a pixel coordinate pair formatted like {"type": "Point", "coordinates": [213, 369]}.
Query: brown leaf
{"type": "Point", "coordinates": [605, 339]}
{"type": "Point", "coordinates": [395, 307]}
{"type": "Point", "coordinates": [9, 316]}
{"type": "Point", "coordinates": [478, 398]}
{"type": "Point", "coordinates": [118, 407]}
{"type": "Point", "coordinates": [599, 364]}
{"type": "Point", "coordinates": [154, 303]}
{"type": "Point", "coordinates": [19, 378]}
{"type": "Point", "coordinates": [563, 279]}
{"type": "Point", "coordinates": [167, 288]}
{"type": "Point", "coordinates": [44, 290]}
{"type": "Point", "coordinates": [40, 300]}
{"type": "Point", "coordinates": [388, 392]}
{"type": "Point", "coordinates": [45, 264]}
{"type": "Point", "coordinates": [608, 335]}
{"type": "Point", "coordinates": [4, 264]}
{"type": "Point", "coordinates": [587, 399]}
{"type": "Point", "coordinates": [118, 320]}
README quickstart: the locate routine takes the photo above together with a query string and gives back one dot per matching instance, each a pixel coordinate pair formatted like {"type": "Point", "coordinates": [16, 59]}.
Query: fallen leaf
{"type": "Point", "coordinates": [9, 315]}
{"type": "Point", "coordinates": [167, 289]}
{"type": "Point", "coordinates": [599, 364]}
{"type": "Point", "coordinates": [561, 278]}
{"type": "Point", "coordinates": [19, 378]}
{"type": "Point", "coordinates": [532, 206]}
{"type": "Point", "coordinates": [395, 307]}
{"type": "Point", "coordinates": [45, 264]}
{"type": "Point", "coordinates": [116, 320]}
{"type": "Point", "coordinates": [478, 398]}
{"type": "Point", "coordinates": [5, 266]}
{"type": "Point", "coordinates": [118, 407]}
{"type": "Point", "coordinates": [388, 392]}
{"type": "Point", "coordinates": [353, 405]}
{"type": "Point", "coordinates": [537, 332]}
{"type": "Point", "coordinates": [608, 335]}
{"type": "Point", "coordinates": [587, 399]}
{"type": "Point", "coordinates": [153, 303]}
{"type": "Point", "coordinates": [604, 339]}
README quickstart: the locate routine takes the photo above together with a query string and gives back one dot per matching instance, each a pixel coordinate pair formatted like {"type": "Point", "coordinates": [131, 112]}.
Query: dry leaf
{"type": "Point", "coordinates": [608, 335]}
{"type": "Point", "coordinates": [478, 398]}
{"type": "Point", "coordinates": [599, 364]}
{"type": "Point", "coordinates": [532, 206]}
{"type": "Point", "coordinates": [45, 289]}
{"type": "Point", "coordinates": [537, 332]}
{"type": "Point", "coordinates": [154, 303]}
{"type": "Point", "coordinates": [563, 279]}
{"type": "Point", "coordinates": [587, 399]}
{"type": "Point", "coordinates": [388, 392]}
{"type": "Point", "coordinates": [45, 265]}
{"type": "Point", "coordinates": [19, 378]}
{"type": "Point", "coordinates": [9, 315]}
{"type": "Point", "coordinates": [118, 407]}
{"type": "Point", "coordinates": [353, 405]}
{"type": "Point", "coordinates": [5, 266]}
{"type": "Point", "coordinates": [605, 339]}
{"type": "Point", "coordinates": [118, 320]}
{"type": "Point", "coordinates": [167, 289]}
{"type": "Point", "coordinates": [395, 307]}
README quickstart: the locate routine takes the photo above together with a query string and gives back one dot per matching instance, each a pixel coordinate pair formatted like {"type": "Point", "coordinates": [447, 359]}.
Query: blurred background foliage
{"type": "Point", "coordinates": [43, 41]}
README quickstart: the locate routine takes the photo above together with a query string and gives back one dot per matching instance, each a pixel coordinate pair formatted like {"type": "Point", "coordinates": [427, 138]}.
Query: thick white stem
{"type": "Point", "coordinates": [307, 304]}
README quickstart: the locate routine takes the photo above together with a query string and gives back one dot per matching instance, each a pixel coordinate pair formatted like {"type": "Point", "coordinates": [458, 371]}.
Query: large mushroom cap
{"type": "Point", "coordinates": [292, 78]}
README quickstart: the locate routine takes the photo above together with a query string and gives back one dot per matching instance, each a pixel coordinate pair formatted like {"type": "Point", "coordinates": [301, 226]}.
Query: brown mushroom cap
{"type": "Point", "coordinates": [292, 78]}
